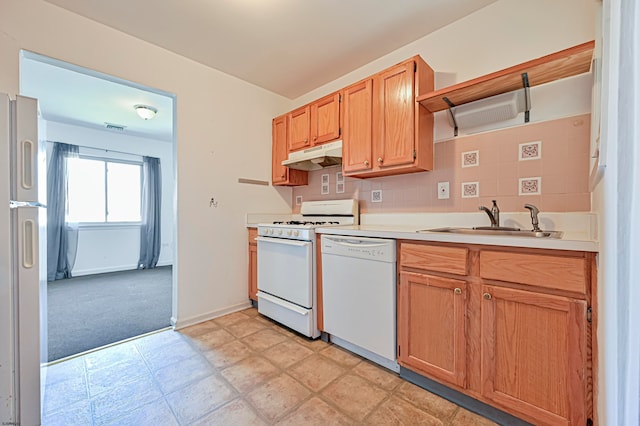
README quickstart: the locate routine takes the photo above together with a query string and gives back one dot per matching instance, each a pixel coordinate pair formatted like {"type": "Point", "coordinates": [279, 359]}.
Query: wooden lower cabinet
{"type": "Point", "coordinates": [253, 265]}
{"type": "Point", "coordinates": [432, 334]}
{"type": "Point", "coordinates": [534, 354]}
{"type": "Point", "coordinates": [522, 348]}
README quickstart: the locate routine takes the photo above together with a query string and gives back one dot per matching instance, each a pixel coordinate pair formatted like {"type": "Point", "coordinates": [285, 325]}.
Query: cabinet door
{"type": "Point", "coordinates": [393, 115]}
{"type": "Point", "coordinates": [299, 128]}
{"type": "Point", "coordinates": [279, 150]}
{"type": "Point", "coordinates": [325, 119]}
{"type": "Point", "coordinates": [253, 265]}
{"type": "Point", "coordinates": [431, 326]}
{"type": "Point", "coordinates": [534, 354]}
{"type": "Point", "coordinates": [281, 175]}
{"type": "Point", "coordinates": [356, 137]}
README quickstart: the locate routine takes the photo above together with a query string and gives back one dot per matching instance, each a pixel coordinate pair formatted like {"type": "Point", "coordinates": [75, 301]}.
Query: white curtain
{"type": "Point", "coordinates": [621, 240]}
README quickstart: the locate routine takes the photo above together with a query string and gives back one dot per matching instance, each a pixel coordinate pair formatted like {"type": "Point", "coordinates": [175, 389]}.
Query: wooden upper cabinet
{"type": "Point", "coordinates": [325, 119]}
{"type": "Point", "coordinates": [299, 121]}
{"type": "Point", "coordinates": [281, 175]}
{"type": "Point", "coordinates": [315, 123]}
{"type": "Point", "coordinates": [402, 130]}
{"type": "Point", "coordinates": [393, 115]}
{"type": "Point", "coordinates": [534, 353]}
{"type": "Point", "coordinates": [357, 127]}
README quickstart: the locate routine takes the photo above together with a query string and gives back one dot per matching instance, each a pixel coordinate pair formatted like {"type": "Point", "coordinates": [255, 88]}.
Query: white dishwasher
{"type": "Point", "coordinates": [359, 296]}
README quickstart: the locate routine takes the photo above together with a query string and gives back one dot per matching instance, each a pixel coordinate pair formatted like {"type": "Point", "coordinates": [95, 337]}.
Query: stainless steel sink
{"type": "Point", "coordinates": [482, 230]}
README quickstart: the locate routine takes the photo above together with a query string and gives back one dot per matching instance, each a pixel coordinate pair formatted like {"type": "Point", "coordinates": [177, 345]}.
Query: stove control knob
{"type": "Point", "coordinates": [296, 233]}
{"type": "Point", "coordinates": [279, 231]}
{"type": "Point", "coordinates": [288, 232]}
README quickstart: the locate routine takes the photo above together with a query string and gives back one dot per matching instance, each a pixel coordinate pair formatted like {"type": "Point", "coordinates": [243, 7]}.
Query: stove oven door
{"type": "Point", "coordinates": [285, 270]}
{"type": "Point", "coordinates": [286, 283]}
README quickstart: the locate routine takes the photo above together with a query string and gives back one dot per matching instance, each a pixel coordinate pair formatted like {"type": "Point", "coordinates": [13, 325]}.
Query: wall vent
{"type": "Point", "coordinates": [112, 126]}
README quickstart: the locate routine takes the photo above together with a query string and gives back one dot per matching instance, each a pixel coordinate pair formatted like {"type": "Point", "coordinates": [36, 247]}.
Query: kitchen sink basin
{"type": "Point", "coordinates": [482, 230]}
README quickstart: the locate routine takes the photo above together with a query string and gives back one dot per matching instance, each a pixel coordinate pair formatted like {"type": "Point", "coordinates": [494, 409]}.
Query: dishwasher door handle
{"type": "Point", "coordinates": [351, 242]}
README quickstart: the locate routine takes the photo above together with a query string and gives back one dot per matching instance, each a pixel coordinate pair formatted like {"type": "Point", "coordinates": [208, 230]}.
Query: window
{"type": "Point", "coordinates": [102, 190]}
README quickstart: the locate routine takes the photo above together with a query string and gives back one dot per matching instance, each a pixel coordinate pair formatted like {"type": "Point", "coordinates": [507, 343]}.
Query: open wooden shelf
{"type": "Point", "coordinates": [565, 63]}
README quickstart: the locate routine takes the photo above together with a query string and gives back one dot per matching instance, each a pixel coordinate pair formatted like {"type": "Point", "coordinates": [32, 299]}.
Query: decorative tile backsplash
{"type": "Point", "coordinates": [530, 151]}
{"type": "Point", "coordinates": [324, 187]}
{"type": "Point", "coordinates": [511, 172]}
{"type": "Point", "coordinates": [471, 158]}
{"type": "Point", "coordinates": [339, 183]}
{"type": "Point", "coordinates": [529, 186]}
{"type": "Point", "coordinates": [470, 189]}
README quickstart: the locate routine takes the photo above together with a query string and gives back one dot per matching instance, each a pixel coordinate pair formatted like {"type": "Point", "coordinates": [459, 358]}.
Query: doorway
{"type": "Point", "coordinates": [96, 113]}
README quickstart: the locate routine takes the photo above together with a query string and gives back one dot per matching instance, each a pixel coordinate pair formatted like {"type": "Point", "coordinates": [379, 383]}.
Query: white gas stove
{"type": "Point", "coordinates": [287, 263]}
{"type": "Point", "coordinates": [313, 214]}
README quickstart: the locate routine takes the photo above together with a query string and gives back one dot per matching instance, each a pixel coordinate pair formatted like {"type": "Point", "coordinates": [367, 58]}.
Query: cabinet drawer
{"type": "Point", "coordinates": [253, 233]}
{"type": "Point", "coordinates": [556, 272]}
{"type": "Point", "coordinates": [453, 260]}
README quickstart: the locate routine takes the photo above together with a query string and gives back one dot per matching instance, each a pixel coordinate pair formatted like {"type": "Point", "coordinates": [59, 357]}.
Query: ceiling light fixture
{"type": "Point", "coordinates": [145, 112]}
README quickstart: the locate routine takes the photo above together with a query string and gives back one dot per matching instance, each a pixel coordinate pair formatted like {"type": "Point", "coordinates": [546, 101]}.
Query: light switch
{"type": "Point", "coordinates": [443, 190]}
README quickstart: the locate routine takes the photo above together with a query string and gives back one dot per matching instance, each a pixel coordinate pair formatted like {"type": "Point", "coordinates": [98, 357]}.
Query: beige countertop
{"type": "Point", "coordinates": [579, 228]}
{"type": "Point", "coordinates": [398, 232]}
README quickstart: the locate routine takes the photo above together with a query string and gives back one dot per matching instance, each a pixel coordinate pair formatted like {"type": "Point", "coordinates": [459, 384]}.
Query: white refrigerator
{"type": "Point", "coordinates": [22, 261]}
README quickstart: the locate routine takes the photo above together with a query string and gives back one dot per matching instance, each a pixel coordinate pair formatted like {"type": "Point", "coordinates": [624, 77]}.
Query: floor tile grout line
{"type": "Point", "coordinates": [318, 393]}
{"type": "Point", "coordinates": [322, 350]}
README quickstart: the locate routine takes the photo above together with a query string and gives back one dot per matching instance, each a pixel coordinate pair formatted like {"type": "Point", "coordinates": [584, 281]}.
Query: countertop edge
{"type": "Point", "coordinates": [411, 233]}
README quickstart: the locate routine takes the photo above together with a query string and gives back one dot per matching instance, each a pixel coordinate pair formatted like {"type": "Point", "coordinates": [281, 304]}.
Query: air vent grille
{"type": "Point", "coordinates": [112, 126]}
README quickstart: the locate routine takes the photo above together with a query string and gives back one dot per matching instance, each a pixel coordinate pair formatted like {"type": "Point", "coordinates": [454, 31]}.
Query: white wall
{"type": "Point", "coordinates": [223, 133]}
{"type": "Point", "coordinates": [117, 247]}
{"type": "Point", "coordinates": [501, 35]}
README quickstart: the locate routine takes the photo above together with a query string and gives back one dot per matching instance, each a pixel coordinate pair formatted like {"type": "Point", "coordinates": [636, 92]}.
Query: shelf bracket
{"type": "Point", "coordinates": [527, 102]}
{"type": "Point", "coordinates": [453, 118]}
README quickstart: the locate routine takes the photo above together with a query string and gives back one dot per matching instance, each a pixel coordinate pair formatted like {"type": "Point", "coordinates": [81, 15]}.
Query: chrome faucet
{"type": "Point", "coordinates": [494, 214]}
{"type": "Point", "coordinates": [534, 216]}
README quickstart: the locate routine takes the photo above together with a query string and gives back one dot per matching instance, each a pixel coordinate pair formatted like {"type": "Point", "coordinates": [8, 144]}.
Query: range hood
{"type": "Point", "coordinates": [315, 158]}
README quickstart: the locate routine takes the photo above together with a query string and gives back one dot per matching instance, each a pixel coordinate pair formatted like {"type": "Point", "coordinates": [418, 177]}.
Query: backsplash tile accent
{"type": "Point", "coordinates": [470, 189]}
{"type": "Point", "coordinates": [530, 151]}
{"type": "Point", "coordinates": [339, 183]}
{"type": "Point", "coordinates": [324, 188]}
{"type": "Point", "coordinates": [530, 186]}
{"type": "Point", "coordinates": [471, 158]}
{"type": "Point", "coordinates": [564, 169]}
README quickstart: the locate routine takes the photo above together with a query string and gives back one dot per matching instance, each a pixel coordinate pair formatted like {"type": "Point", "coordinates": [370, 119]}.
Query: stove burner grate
{"type": "Point", "coordinates": [306, 222]}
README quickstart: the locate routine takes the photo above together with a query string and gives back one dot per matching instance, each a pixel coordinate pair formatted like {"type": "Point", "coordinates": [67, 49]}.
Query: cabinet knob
{"type": "Point", "coordinates": [315, 138]}
{"type": "Point", "coordinates": [380, 160]}
{"type": "Point", "coordinates": [366, 162]}
{"type": "Point", "coordinates": [487, 296]}
{"type": "Point", "coordinates": [283, 176]}
{"type": "Point", "coordinates": [457, 290]}
{"type": "Point", "coordinates": [306, 140]}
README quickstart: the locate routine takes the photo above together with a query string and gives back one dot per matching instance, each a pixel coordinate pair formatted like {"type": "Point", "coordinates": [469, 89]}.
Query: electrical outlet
{"type": "Point", "coordinates": [298, 200]}
{"type": "Point", "coordinates": [376, 196]}
{"type": "Point", "coordinates": [443, 190]}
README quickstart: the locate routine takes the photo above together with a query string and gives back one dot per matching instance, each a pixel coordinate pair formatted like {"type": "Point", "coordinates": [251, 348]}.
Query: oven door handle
{"type": "Point", "coordinates": [283, 241]}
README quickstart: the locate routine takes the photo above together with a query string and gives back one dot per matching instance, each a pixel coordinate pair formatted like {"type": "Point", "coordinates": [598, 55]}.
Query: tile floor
{"type": "Point", "coordinates": [240, 369]}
